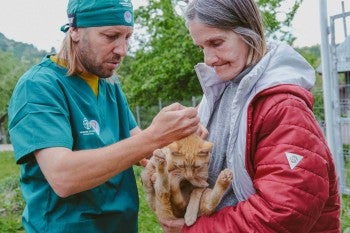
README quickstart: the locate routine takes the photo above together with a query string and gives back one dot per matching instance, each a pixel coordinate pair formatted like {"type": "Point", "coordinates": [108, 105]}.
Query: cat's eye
{"type": "Point", "coordinates": [203, 153]}
{"type": "Point", "coordinates": [175, 153]}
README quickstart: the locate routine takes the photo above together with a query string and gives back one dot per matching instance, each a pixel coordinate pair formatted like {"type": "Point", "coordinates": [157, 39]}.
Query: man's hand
{"type": "Point", "coordinates": [173, 123]}
{"type": "Point", "coordinates": [202, 131]}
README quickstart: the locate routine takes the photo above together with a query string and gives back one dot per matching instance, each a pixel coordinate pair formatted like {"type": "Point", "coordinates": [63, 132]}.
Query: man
{"type": "Point", "coordinates": [73, 132]}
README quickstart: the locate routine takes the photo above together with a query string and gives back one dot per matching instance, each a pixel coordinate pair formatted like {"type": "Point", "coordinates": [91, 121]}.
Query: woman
{"type": "Point", "coordinates": [258, 109]}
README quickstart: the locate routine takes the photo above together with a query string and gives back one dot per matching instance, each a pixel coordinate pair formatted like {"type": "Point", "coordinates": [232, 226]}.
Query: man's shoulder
{"type": "Point", "coordinates": [44, 71]}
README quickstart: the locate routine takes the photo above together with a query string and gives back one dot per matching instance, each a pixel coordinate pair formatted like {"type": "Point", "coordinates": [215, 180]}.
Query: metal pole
{"type": "Point", "coordinates": [326, 79]}
{"type": "Point", "coordinates": [194, 101]}
{"type": "Point", "coordinates": [160, 105]}
{"type": "Point", "coordinates": [138, 117]}
{"type": "Point", "coordinates": [330, 103]}
{"type": "Point", "coordinates": [338, 144]}
{"type": "Point", "coordinates": [344, 20]}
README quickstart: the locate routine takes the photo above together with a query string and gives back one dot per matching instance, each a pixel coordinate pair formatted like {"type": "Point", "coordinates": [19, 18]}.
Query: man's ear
{"type": "Point", "coordinates": [75, 34]}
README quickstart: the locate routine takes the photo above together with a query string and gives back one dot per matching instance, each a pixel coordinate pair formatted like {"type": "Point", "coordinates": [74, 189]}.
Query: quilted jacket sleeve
{"type": "Point", "coordinates": [292, 172]}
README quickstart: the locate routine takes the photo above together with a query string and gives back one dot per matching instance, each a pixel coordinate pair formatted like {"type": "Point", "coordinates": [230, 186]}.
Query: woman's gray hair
{"type": "Point", "coordinates": [241, 16]}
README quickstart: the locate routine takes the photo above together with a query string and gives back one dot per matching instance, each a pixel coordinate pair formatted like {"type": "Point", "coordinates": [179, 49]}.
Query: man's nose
{"type": "Point", "coordinates": [121, 48]}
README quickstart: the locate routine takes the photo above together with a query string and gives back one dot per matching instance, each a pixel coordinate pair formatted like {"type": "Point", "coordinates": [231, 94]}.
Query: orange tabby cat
{"type": "Point", "coordinates": [180, 171]}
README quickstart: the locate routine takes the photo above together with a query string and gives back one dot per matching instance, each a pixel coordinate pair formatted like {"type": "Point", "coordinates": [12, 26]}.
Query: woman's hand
{"type": "Point", "coordinates": [172, 226]}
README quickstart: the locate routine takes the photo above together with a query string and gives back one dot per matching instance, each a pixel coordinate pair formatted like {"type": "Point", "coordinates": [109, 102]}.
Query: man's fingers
{"type": "Point", "coordinates": [202, 132]}
{"type": "Point", "coordinates": [173, 107]}
{"type": "Point", "coordinates": [144, 162]}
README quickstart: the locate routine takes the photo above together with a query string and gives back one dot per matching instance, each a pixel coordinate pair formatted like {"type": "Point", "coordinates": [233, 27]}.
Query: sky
{"type": "Point", "coordinates": [38, 22]}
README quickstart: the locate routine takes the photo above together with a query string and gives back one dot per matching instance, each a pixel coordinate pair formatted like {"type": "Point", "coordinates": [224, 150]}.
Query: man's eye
{"type": "Point", "coordinates": [111, 37]}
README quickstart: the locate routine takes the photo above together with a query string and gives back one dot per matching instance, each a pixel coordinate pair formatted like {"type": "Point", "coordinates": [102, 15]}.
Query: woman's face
{"type": "Point", "coordinates": [224, 50]}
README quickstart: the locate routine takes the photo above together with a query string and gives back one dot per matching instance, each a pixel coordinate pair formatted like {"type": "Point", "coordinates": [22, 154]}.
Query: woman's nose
{"type": "Point", "coordinates": [209, 57]}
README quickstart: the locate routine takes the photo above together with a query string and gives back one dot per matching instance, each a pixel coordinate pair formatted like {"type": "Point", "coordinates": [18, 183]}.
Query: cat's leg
{"type": "Point", "coordinates": [146, 178]}
{"type": "Point", "coordinates": [212, 197]}
{"type": "Point", "coordinates": [161, 187]}
{"type": "Point", "coordinates": [177, 197]}
{"type": "Point", "coordinates": [192, 209]}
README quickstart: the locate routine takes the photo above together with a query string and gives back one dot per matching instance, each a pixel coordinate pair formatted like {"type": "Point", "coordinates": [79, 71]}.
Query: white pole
{"type": "Point", "coordinates": [344, 19]}
{"type": "Point", "coordinates": [331, 103]}
{"type": "Point", "coordinates": [326, 75]}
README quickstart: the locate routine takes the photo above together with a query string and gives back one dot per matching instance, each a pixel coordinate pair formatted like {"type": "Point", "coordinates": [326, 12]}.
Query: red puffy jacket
{"type": "Point", "coordinates": [282, 132]}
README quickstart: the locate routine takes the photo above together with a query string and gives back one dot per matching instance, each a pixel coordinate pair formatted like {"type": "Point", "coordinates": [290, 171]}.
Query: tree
{"type": "Point", "coordinates": [162, 65]}
{"type": "Point", "coordinates": [10, 70]}
{"type": "Point", "coordinates": [278, 16]}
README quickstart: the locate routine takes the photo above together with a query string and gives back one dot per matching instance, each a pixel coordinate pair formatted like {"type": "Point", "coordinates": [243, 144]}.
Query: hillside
{"type": "Point", "coordinates": [25, 53]}
{"type": "Point", "coordinates": [15, 59]}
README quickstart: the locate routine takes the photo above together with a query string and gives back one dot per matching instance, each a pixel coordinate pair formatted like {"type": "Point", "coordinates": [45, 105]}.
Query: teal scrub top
{"type": "Point", "coordinates": [50, 109]}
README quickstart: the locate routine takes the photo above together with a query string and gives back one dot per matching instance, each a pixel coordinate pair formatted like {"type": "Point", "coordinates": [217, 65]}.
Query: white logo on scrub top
{"type": "Point", "coordinates": [91, 127]}
{"type": "Point", "coordinates": [94, 124]}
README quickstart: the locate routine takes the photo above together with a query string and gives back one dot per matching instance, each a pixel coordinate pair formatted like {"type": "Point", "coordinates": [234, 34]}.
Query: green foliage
{"type": "Point", "coordinates": [318, 109]}
{"type": "Point", "coordinates": [345, 213]}
{"type": "Point", "coordinates": [275, 27]}
{"type": "Point", "coordinates": [163, 67]}
{"type": "Point", "coordinates": [10, 70]}
{"type": "Point", "coordinates": [311, 54]}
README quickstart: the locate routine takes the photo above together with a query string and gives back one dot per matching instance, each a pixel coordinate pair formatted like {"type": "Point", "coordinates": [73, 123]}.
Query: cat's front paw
{"type": "Point", "coordinates": [159, 156]}
{"type": "Point", "coordinates": [159, 160]}
{"type": "Point", "coordinates": [190, 218]}
{"type": "Point", "coordinates": [225, 177]}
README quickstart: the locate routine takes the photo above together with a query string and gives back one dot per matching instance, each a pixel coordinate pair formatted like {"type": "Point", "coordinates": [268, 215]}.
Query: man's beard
{"type": "Point", "coordinates": [88, 61]}
{"type": "Point", "coordinates": [91, 67]}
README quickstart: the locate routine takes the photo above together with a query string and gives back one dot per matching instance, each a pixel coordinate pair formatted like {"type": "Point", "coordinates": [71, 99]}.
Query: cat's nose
{"type": "Point", "coordinates": [188, 174]}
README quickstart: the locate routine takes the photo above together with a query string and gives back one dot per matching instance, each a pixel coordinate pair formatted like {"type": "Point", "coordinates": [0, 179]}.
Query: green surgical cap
{"type": "Point", "coordinates": [95, 13]}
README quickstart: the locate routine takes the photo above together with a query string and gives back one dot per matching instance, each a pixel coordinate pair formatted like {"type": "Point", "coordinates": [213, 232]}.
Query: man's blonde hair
{"type": "Point", "coordinates": [68, 55]}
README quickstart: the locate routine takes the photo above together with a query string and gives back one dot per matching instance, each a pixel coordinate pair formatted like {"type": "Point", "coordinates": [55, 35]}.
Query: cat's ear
{"type": "Point", "coordinates": [173, 147]}
{"type": "Point", "coordinates": [206, 147]}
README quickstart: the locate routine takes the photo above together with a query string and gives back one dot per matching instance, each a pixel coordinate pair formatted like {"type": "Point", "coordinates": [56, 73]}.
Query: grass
{"type": "Point", "coordinates": [11, 203]}
{"type": "Point", "coordinates": [147, 220]}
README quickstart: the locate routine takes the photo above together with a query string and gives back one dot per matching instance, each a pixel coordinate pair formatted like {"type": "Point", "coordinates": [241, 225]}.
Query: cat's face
{"type": "Point", "coordinates": [188, 159]}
